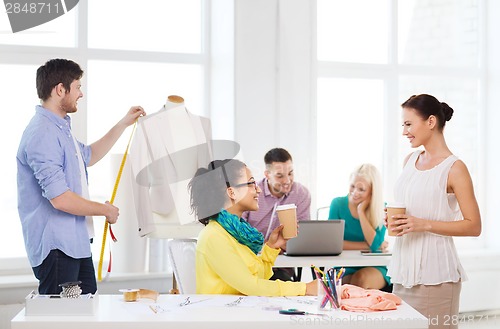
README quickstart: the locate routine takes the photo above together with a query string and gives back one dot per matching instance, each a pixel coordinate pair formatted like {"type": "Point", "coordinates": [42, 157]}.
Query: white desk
{"type": "Point", "coordinates": [347, 258]}
{"type": "Point", "coordinates": [212, 311]}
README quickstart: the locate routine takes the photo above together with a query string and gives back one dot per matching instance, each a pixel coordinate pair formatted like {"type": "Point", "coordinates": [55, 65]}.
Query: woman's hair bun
{"type": "Point", "coordinates": [447, 111]}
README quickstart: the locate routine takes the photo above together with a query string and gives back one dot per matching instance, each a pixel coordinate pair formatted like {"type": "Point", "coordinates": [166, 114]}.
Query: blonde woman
{"type": "Point", "coordinates": [362, 210]}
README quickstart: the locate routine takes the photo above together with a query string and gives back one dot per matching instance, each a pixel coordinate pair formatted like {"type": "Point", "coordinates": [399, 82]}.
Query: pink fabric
{"type": "Point", "coordinates": [356, 299]}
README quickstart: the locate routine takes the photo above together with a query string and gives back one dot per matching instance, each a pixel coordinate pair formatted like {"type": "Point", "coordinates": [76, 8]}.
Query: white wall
{"type": "Point", "coordinates": [272, 81]}
{"type": "Point", "coordinates": [492, 154]}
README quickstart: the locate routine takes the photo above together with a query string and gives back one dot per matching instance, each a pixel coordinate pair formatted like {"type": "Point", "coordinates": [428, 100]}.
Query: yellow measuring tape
{"type": "Point", "coordinates": [106, 224]}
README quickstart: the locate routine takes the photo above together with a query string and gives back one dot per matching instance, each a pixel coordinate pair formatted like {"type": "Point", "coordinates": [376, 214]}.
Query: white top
{"type": "Point", "coordinates": [423, 257]}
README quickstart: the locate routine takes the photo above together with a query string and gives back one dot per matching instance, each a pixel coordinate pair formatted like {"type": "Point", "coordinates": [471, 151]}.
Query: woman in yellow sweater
{"type": "Point", "coordinates": [231, 256]}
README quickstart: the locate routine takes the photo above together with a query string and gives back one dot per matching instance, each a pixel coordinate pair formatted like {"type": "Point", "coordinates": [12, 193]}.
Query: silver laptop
{"type": "Point", "coordinates": [317, 238]}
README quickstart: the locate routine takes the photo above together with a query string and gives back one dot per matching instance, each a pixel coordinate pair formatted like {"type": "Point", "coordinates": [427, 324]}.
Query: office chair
{"type": "Point", "coordinates": [182, 255]}
{"type": "Point", "coordinates": [322, 210]}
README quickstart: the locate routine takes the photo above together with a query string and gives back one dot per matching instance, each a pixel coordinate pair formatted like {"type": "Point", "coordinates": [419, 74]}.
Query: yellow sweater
{"type": "Point", "coordinates": [225, 266]}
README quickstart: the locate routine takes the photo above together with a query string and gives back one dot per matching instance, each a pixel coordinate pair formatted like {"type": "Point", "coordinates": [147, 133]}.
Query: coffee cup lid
{"type": "Point", "coordinates": [286, 206]}
{"type": "Point", "coordinates": [395, 204]}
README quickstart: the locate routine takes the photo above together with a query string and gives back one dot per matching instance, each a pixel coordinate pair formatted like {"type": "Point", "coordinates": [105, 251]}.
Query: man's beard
{"type": "Point", "coordinates": [281, 189]}
{"type": "Point", "coordinates": [68, 106]}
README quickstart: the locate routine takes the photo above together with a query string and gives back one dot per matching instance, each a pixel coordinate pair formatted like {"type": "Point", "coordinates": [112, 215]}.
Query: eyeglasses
{"type": "Point", "coordinates": [254, 183]}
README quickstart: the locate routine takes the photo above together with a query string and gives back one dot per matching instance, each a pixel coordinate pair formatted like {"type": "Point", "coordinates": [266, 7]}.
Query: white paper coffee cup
{"type": "Point", "coordinates": [287, 215]}
{"type": "Point", "coordinates": [393, 208]}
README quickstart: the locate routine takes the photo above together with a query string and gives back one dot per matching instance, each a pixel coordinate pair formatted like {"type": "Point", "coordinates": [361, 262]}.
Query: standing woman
{"type": "Point", "coordinates": [437, 190]}
{"type": "Point", "coordinates": [231, 256]}
{"type": "Point", "coordinates": [362, 211]}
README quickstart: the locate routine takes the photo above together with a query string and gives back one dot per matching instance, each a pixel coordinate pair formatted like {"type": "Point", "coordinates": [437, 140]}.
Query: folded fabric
{"type": "Point", "coordinates": [357, 299]}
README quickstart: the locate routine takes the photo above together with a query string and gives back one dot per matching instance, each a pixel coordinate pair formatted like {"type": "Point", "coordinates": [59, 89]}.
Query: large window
{"type": "Point", "coordinates": [60, 32]}
{"type": "Point", "coordinates": [368, 65]}
{"type": "Point", "coordinates": [135, 53]}
{"type": "Point", "coordinates": [149, 25]}
{"type": "Point", "coordinates": [343, 138]}
{"type": "Point", "coordinates": [351, 32]}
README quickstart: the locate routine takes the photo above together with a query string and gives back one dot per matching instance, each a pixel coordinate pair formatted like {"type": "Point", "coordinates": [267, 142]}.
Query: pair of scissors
{"type": "Point", "coordinates": [294, 311]}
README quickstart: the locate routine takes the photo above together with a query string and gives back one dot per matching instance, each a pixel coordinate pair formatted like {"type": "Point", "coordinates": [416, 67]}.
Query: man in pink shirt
{"type": "Point", "coordinates": [278, 187]}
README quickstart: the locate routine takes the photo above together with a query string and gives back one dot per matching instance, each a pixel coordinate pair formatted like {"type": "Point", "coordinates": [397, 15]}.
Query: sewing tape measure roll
{"type": "Point", "coordinates": [130, 295]}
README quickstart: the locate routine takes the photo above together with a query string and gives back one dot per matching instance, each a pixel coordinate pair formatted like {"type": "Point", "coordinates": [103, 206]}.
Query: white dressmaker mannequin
{"type": "Point", "coordinates": [168, 147]}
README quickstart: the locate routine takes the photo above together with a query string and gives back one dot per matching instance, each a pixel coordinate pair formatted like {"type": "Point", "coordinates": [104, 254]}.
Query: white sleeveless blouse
{"type": "Point", "coordinates": [423, 257]}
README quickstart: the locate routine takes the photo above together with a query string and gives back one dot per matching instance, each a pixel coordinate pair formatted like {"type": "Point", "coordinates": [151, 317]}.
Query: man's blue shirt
{"type": "Point", "coordinates": [47, 166]}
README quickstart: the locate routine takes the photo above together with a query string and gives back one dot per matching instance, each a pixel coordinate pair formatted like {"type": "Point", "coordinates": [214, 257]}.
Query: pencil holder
{"type": "Point", "coordinates": [329, 297]}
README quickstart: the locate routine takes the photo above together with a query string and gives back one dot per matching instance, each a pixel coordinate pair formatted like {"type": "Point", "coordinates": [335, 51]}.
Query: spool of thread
{"type": "Point", "coordinates": [130, 295]}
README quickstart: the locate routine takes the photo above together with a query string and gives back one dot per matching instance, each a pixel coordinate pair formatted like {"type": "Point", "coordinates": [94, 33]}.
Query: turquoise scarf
{"type": "Point", "coordinates": [239, 229]}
